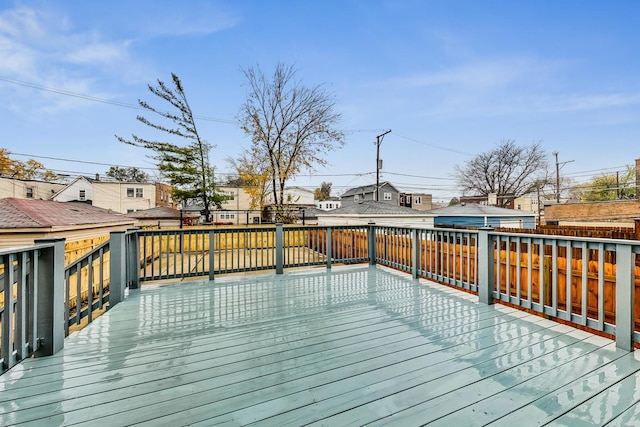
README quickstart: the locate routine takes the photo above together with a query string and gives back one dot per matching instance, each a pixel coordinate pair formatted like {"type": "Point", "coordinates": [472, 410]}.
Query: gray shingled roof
{"type": "Point", "coordinates": [370, 207]}
{"type": "Point", "coordinates": [474, 209]}
{"type": "Point", "coordinates": [365, 189]}
{"type": "Point", "coordinates": [34, 213]}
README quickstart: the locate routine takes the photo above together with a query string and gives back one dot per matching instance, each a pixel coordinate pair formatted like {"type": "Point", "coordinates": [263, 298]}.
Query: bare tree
{"type": "Point", "coordinates": [509, 171]}
{"type": "Point", "coordinates": [292, 126]}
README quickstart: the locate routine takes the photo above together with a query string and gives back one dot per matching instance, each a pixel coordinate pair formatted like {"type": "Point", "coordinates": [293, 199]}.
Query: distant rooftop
{"type": "Point", "coordinates": [474, 209]}
{"type": "Point", "coordinates": [370, 207]}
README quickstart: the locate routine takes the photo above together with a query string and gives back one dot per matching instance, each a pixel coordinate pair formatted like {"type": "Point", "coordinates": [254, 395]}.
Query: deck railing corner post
{"type": "Point", "coordinates": [133, 258]}
{"type": "Point", "coordinates": [117, 267]}
{"type": "Point", "coordinates": [329, 247]}
{"type": "Point", "coordinates": [485, 266]}
{"type": "Point", "coordinates": [624, 296]}
{"type": "Point", "coordinates": [279, 249]}
{"type": "Point", "coordinates": [371, 243]}
{"type": "Point", "coordinates": [50, 326]}
{"type": "Point", "coordinates": [212, 253]}
{"type": "Point", "coordinates": [415, 252]}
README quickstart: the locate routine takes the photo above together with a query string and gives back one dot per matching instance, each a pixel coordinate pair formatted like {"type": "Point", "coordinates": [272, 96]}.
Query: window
{"type": "Point", "coordinates": [130, 192]}
{"type": "Point", "coordinates": [408, 200]}
{"type": "Point", "coordinates": [356, 197]}
{"type": "Point", "coordinates": [29, 193]}
{"type": "Point", "coordinates": [139, 192]}
{"type": "Point", "coordinates": [387, 196]}
{"type": "Point", "coordinates": [130, 211]}
{"type": "Point", "coordinates": [417, 200]}
{"type": "Point", "coordinates": [519, 207]}
{"type": "Point", "coordinates": [82, 195]}
{"type": "Point", "coordinates": [228, 195]}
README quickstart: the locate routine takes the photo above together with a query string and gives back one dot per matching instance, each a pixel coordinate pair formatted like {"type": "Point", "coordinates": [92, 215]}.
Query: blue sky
{"type": "Point", "coordinates": [450, 79]}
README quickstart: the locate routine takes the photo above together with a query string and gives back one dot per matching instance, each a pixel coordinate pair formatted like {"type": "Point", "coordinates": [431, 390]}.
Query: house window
{"type": "Point", "coordinates": [387, 196]}
{"type": "Point", "coordinates": [29, 192]}
{"type": "Point", "coordinates": [139, 192]}
{"type": "Point", "coordinates": [356, 197]}
{"type": "Point", "coordinates": [82, 195]}
{"type": "Point", "coordinates": [408, 200]}
{"type": "Point", "coordinates": [130, 192]}
{"type": "Point", "coordinates": [417, 200]}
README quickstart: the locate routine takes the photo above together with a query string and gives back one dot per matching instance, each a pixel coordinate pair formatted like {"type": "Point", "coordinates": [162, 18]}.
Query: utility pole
{"type": "Point", "coordinates": [378, 142]}
{"type": "Point", "coordinates": [558, 166]}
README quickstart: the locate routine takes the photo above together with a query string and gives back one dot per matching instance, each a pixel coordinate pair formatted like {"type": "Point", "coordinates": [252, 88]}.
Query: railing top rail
{"type": "Point", "coordinates": [10, 251]}
{"type": "Point", "coordinates": [567, 238]}
{"type": "Point", "coordinates": [88, 255]}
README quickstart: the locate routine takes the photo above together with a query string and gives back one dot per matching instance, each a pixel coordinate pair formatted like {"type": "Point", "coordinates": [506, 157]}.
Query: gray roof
{"type": "Point", "coordinates": [370, 207]}
{"type": "Point", "coordinates": [365, 189]}
{"type": "Point", "coordinates": [474, 209]}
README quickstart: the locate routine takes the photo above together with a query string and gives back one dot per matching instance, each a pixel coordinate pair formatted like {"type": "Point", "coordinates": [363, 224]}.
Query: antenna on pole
{"type": "Point", "coordinates": [378, 142]}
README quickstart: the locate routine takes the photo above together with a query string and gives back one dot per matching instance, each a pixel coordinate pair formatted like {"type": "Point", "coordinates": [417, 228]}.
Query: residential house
{"type": "Point", "coordinates": [24, 220]}
{"type": "Point", "coordinates": [380, 213]}
{"type": "Point", "coordinates": [28, 188]}
{"type": "Point", "coordinates": [294, 196]}
{"type": "Point", "coordinates": [329, 204]}
{"type": "Point", "coordinates": [476, 215]}
{"type": "Point", "coordinates": [387, 193]}
{"type": "Point", "coordinates": [527, 203]}
{"type": "Point", "coordinates": [295, 199]}
{"type": "Point", "coordinates": [115, 196]}
{"type": "Point", "coordinates": [164, 196]}
{"type": "Point", "coordinates": [418, 201]}
{"type": "Point", "coordinates": [236, 207]}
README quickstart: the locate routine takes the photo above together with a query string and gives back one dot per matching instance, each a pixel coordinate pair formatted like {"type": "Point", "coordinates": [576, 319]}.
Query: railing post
{"type": "Point", "coordinates": [50, 297]}
{"type": "Point", "coordinates": [624, 296]}
{"type": "Point", "coordinates": [279, 249]}
{"type": "Point", "coordinates": [485, 266]}
{"type": "Point", "coordinates": [133, 258]}
{"type": "Point", "coordinates": [212, 255]}
{"type": "Point", "coordinates": [371, 243]}
{"type": "Point", "coordinates": [117, 267]}
{"type": "Point", "coordinates": [329, 248]}
{"type": "Point", "coordinates": [415, 253]}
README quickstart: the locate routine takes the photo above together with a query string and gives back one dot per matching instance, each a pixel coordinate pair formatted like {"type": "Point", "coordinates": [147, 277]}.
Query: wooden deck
{"type": "Point", "coordinates": [353, 346]}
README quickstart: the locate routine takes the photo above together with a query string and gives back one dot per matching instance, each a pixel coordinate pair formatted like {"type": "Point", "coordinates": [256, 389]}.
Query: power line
{"type": "Point", "coordinates": [100, 100]}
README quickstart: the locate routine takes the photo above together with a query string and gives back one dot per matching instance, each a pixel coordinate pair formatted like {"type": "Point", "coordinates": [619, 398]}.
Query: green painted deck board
{"type": "Point", "coordinates": [350, 346]}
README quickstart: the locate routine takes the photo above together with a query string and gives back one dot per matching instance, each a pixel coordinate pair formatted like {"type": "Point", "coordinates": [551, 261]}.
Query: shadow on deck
{"type": "Point", "coordinates": [355, 345]}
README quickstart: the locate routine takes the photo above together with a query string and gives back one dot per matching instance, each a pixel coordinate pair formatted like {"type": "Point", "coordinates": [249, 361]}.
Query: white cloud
{"type": "Point", "coordinates": [41, 48]}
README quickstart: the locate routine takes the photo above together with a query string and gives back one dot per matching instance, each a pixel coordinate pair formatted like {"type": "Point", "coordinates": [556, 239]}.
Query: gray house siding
{"type": "Point", "coordinates": [368, 193]}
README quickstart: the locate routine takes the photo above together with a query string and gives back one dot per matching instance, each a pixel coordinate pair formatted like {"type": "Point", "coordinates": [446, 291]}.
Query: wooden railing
{"type": "Point", "coordinates": [590, 283]}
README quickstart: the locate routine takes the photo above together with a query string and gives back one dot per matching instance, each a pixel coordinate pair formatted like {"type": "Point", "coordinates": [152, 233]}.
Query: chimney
{"type": "Point", "coordinates": [98, 176]}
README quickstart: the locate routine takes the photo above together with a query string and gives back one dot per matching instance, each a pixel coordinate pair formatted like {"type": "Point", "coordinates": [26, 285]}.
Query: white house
{"type": "Point", "coordinates": [294, 196]}
{"type": "Point", "coordinates": [27, 188]}
{"type": "Point", "coordinates": [329, 204]}
{"type": "Point", "coordinates": [115, 196]}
